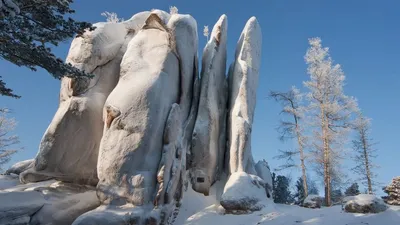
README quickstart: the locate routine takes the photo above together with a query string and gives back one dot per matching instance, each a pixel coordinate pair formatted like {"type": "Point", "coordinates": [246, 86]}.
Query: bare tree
{"type": "Point", "coordinates": [112, 17]}
{"type": "Point", "coordinates": [363, 146]}
{"type": "Point", "coordinates": [7, 139]}
{"type": "Point", "coordinates": [292, 129]}
{"type": "Point", "coordinates": [330, 110]}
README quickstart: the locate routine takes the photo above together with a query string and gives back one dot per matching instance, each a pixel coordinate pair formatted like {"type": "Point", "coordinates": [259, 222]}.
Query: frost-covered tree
{"type": "Point", "coordinates": [330, 111]}
{"type": "Point", "coordinates": [353, 190]}
{"type": "Point", "coordinates": [292, 128]}
{"type": "Point", "coordinates": [7, 139]}
{"type": "Point", "coordinates": [28, 31]}
{"type": "Point", "coordinates": [363, 145]}
{"type": "Point", "coordinates": [112, 17]}
{"type": "Point", "coordinates": [173, 10]}
{"type": "Point", "coordinates": [281, 193]}
{"type": "Point", "coordinates": [206, 32]}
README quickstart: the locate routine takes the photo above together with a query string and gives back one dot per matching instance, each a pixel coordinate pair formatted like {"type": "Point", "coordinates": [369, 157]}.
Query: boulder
{"type": "Point", "coordinates": [244, 193]}
{"type": "Point", "coordinates": [209, 135]}
{"type": "Point", "coordinates": [312, 201]}
{"type": "Point", "coordinates": [20, 167]}
{"type": "Point", "coordinates": [364, 203]}
{"type": "Point", "coordinates": [263, 171]}
{"type": "Point", "coordinates": [393, 192]}
{"type": "Point", "coordinates": [243, 82]}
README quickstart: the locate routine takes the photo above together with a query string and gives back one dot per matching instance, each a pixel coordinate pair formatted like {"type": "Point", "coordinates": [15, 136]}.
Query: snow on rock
{"type": "Point", "coordinates": [364, 203]}
{"type": "Point", "coordinates": [208, 140]}
{"type": "Point", "coordinates": [244, 193]}
{"type": "Point", "coordinates": [8, 181]}
{"type": "Point", "coordinates": [243, 82]}
{"type": "Point", "coordinates": [263, 171]}
{"type": "Point", "coordinates": [393, 191]}
{"type": "Point", "coordinates": [69, 148]}
{"type": "Point", "coordinates": [20, 167]}
{"type": "Point", "coordinates": [45, 203]}
{"type": "Point", "coordinates": [312, 201]}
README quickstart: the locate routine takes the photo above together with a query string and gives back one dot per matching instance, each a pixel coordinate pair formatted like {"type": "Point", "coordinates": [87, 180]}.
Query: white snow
{"type": "Point", "coordinates": [293, 215]}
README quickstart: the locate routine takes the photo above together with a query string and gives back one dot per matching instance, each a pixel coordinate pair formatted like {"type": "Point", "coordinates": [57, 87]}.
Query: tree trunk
{"type": "Point", "coordinates": [326, 160]}
{"type": "Point", "coordinates": [302, 159]}
{"type": "Point", "coordinates": [367, 166]}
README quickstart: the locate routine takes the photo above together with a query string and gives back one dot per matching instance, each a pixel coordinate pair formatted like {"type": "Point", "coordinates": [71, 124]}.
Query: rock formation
{"type": "Point", "coordinates": [208, 142]}
{"type": "Point", "coordinates": [146, 124]}
{"type": "Point", "coordinates": [364, 203]}
{"type": "Point", "coordinates": [393, 192]}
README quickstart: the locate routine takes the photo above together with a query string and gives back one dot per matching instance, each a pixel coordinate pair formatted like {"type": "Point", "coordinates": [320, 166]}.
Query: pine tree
{"type": "Point", "coordinates": [330, 110]}
{"type": "Point", "coordinates": [292, 129]}
{"type": "Point", "coordinates": [353, 190]}
{"type": "Point", "coordinates": [28, 31]}
{"type": "Point", "coordinates": [336, 196]}
{"type": "Point", "coordinates": [363, 146]}
{"type": "Point", "coordinates": [300, 194]}
{"type": "Point", "coordinates": [281, 192]}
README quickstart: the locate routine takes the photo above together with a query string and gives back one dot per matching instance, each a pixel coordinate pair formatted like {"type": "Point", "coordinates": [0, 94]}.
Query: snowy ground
{"type": "Point", "coordinates": [197, 209]}
{"type": "Point", "coordinates": [294, 215]}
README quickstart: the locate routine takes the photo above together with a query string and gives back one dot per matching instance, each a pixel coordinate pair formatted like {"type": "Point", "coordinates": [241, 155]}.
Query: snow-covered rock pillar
{"type": "Point", "coordinates": [244, 191]}
{"type": "Point", "coordinates": [208, 141]}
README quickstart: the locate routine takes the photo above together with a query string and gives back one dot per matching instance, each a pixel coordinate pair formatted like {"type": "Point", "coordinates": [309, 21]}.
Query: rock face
{"type": "Point", "coordinates": [364, 203]}
{"type": "Point", "coordinates": [393, 192]}
{"type": "Point", "coordinates": [122, 144]}
{"type": "Point", "coordinates": [70, 145]}
{"type": "Point", "coordinates": [244, 193]}
{"type": "Point", "coordinates": [312, 201]}
{"type": "Point", "coordinates": [209, 139]}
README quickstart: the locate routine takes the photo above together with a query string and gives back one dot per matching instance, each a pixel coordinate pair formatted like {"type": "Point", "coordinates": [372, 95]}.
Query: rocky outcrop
{"type": "Point", "coordinates": [364, 203]}
{"type": "Point", "coordinates": [312, 201]}
{"type": "Point", "coordinates": [393, 192]}
{"type": "Point", "coordinates": [209, 139]}
{"type": "Point", "coordinates": [144, 123]}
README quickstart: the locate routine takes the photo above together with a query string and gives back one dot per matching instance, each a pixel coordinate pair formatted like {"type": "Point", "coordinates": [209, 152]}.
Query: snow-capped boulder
{"type": "Point", "coordinates": [312, 201]}
{"type": "Point", "coordinates": [243, 82]}
{"type": "Point", "coordinates": [263, 171]}
{"type": "Point", "coordinates": [244, 193]}
{"type": "Point", "coordinates": [209, 135]}
{"type": "Point", "coordinates": [20, 167]}
{"type": "Point", "coordinates": [393, 192]}
{"type": "Point", "coordinates": [364, 203]}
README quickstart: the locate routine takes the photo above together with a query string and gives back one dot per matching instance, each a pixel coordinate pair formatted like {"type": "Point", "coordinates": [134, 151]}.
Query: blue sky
{"type": "Point", "coordinates": [363, 36]}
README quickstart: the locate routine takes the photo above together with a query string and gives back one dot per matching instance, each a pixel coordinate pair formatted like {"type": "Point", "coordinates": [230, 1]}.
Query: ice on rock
{"type": "Point", "coordinates": [208, 141]}
{"type": "Point", "coordinates": [312, 201]}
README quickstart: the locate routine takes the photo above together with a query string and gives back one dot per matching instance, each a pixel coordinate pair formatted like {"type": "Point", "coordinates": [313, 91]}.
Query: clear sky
{"type": "Point", "coordinates": [363, 37]}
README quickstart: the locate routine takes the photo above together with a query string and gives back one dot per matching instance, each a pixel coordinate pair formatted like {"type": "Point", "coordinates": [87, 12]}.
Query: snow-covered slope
{"type": "Point", "coordinates": [293, 215]}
